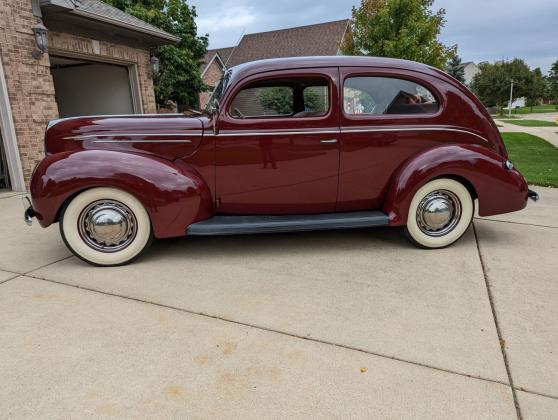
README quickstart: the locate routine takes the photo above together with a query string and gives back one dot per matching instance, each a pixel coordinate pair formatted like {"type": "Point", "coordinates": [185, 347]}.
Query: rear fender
{"type": "Point", "coordinates": [498, 189]}
{"type": "Point", "coordinates": [174, 195]}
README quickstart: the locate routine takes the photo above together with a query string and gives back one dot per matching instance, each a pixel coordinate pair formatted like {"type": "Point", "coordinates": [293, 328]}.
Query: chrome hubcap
{"type": "Point", "coordinates": [107, 226]}
{"type": "Point", "coordinates": [438, 213]}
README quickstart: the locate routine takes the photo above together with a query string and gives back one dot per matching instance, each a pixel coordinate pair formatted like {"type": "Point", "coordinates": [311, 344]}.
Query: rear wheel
{"type": "Point", "coordinates": [105, 226]}
{"type": "Point", "coordinates": [440, 213]}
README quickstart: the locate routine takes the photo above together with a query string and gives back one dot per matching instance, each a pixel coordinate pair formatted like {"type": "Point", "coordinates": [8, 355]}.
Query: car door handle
{"type": "Point", "coordinates": [329, 141]}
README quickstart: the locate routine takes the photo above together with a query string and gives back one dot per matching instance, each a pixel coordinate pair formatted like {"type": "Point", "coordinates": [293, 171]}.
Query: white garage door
{"type": "Point", "coordinates": [91, 88]}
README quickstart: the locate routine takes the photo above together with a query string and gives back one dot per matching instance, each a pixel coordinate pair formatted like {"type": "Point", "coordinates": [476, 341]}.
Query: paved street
{"type": "Point", "coordinates": [344, 324]}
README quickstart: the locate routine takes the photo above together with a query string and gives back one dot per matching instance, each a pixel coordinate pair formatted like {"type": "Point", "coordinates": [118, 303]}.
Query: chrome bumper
{"type": "Point", "coordinates": [29, 213]}
{"type": "Point", "coordinates": [533, 195]}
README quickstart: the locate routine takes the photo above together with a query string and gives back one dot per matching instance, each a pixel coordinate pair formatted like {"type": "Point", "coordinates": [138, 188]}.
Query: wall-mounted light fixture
{"type": "Point", "coordinates": [41, 39]}
{"type": "Point", "coordinates": [155, 66]}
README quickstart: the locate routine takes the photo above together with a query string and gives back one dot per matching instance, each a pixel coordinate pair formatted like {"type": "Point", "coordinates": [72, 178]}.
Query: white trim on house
{"type": "Point", "coordinates": [9, 136]}
{"type": "Point", "coordinates": [216, 55]}
{"type": "Point", "coordinates": [343, 38]}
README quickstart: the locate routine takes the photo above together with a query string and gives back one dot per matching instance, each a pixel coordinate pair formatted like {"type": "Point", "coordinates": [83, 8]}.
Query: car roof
{"type": "Point", "coordinates": [261, 66]}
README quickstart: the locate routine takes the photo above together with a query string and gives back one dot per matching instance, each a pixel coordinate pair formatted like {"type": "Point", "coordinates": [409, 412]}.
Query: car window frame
{"type": "Point", "coordinates": [278, 74]}
{"type": "Point", "coordinates": [348, 73]}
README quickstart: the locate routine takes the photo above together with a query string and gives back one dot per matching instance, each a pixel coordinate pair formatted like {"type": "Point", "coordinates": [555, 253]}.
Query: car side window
{"type": "Point", "coordinates": [386, 95]}
{"type": "Point", "coordinates": [297, 97]}
{"type": "Point", "coordinates": [263, 101]}
{"type": "Point", "coordinates": [316, 100]}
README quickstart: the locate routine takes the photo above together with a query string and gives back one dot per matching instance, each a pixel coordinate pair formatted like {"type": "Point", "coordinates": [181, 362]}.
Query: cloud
{"type": "Point", "coordinates": [484, 30]}
{"type": "Point", "coordinates": [226, 19]}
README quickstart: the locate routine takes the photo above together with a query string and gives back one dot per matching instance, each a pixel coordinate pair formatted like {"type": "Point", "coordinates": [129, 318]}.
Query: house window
{"type": "Point", "coordinates": [386, 95]}
{"type": "Point", "coordinates": [295, 97]}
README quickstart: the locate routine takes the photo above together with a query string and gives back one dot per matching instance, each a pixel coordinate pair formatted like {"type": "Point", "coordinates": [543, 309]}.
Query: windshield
{"type": "Point", "coordinates": [218, 92]}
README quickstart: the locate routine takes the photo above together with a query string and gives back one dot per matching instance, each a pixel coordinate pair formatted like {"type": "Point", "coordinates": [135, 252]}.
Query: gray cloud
{"type": "Point", "coordinates": [485, 30]}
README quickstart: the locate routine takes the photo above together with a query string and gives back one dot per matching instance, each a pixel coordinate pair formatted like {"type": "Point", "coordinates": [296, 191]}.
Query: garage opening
{"type": "Point", "coordinates": [93, 88]}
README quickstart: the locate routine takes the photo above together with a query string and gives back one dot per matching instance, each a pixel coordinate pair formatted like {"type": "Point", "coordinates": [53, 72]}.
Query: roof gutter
{"type": "Point", "coordinates": [100, 18]}
{"type": "Point", "coordinates": [71, 8]}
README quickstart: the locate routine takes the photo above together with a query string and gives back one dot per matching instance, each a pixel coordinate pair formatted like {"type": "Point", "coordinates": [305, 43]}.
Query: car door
{"type": "Point", "coordinates": [384, 117]}
{"type": "Point", "coordinates": [277, 149]}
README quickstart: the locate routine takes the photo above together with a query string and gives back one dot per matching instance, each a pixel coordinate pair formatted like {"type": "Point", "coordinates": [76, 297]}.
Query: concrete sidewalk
{"type": "Point", "coordinates": [345, 324]}
{"type": "Point", "coordinates": [550, 134]}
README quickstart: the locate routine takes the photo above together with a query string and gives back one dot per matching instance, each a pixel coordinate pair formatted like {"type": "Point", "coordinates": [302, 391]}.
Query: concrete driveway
{"type": "Point", "coordinates": [345, 324]}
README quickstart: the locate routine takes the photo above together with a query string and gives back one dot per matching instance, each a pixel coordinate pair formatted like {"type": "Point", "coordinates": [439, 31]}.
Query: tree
{"type": "Point", "coordinates": [278, 99]}
{"type": "Point", "coordinates": [536, 90]}
{"type": "Point", "coordinates": [405, 29]}
{"type": "Point", "coordinates": [492, 83]}
{"type": "Point", "coordinates": [180, 77]}
{"type": "Point", "coordinates": [553, 82]}
{"type": "Point", "coordinates": [455, 70]}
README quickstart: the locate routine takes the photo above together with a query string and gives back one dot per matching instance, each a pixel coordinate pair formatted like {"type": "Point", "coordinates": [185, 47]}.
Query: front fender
{"type": "Point", "coordinates": [498, 189]}
{"type": "Point", "coordinates": [173, 195]}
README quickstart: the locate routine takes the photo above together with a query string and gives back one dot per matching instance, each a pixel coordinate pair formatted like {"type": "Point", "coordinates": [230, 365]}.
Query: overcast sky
{"type": "Point", "coordinates": [485, 30]}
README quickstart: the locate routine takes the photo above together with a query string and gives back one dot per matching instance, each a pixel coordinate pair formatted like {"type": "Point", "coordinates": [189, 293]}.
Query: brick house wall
{"type": "Point", "coordinates": [211, 78]}
{"type": "Point", "coordinates": [29, 81]}
{"type": "Point", "coordinates": [64, 43]}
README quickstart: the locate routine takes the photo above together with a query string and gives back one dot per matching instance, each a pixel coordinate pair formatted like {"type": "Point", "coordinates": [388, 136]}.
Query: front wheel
{"type": "Point", "coordinates": [105, 226]}
{"type": "Point", "coordinates": [440, 213]}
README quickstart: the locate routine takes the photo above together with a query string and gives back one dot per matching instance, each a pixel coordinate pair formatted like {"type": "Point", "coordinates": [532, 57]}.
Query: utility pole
{"type": "Point", "coordinates": [511, 97]}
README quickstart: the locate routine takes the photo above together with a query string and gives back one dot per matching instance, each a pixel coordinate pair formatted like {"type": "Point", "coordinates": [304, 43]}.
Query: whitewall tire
{"type": "Point", "coordinates": [440, 213]}
{"type": "Point", "coordinates": [105, 226]}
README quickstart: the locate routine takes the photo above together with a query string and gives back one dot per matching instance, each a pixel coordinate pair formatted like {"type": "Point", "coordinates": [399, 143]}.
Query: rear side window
{"type": "Point", "coordinates": [386, 95]}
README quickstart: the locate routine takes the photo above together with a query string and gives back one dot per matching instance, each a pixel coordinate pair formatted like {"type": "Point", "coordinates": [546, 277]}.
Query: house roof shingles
{"type": "Point", "coordinates": [99, 10]}
{"type": "Point", "coordinates": [223, 53]}
{"type": "Point", "coordinates": [320, 39]}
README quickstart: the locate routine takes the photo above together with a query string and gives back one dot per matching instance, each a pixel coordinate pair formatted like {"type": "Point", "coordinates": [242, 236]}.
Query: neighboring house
{"type": "Point", "coordinates": [470, 69]}
{"type": "Point", "coordinates": [97, 62]}
{"type": "Point", "coordinates": [311, 40]}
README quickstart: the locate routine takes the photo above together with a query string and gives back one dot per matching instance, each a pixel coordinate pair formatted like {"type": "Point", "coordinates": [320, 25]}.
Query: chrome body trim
{"type": "Point", "coordinates": [344, 130]}
{"type": "Point", "coordinates": [422, 128]}
{"type": "Point", "coordinates": [96, 136]}
{"type": "Point", "coordinates": [268, 133]}
{"type": "Point", "coordinates": [272, 133]}
{"type": "Point", "coordinates": [55, 121]}
{"type": "Point", "coordinates": [141, 141]}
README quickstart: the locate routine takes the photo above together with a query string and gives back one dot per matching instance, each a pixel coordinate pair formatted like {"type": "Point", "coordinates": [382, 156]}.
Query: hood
{"type": "Point", "coordinates": [169, 136]}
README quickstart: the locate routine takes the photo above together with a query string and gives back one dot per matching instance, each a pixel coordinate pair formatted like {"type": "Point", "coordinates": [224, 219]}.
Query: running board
{"type": "Point", "coordinates": [238, 225]}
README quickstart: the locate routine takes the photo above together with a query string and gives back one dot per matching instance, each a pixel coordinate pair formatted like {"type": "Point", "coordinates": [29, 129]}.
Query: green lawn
{"type": "Point", "coordinates": [536, 109]}
{"type": "Point", "coordinates": [530, 123]}
{"type": "Point", "coordinates": [534, 157]}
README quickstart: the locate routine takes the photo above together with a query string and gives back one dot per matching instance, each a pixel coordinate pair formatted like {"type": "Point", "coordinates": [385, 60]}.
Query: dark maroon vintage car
{"type": "Point", "coordinates": [285, 145]}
